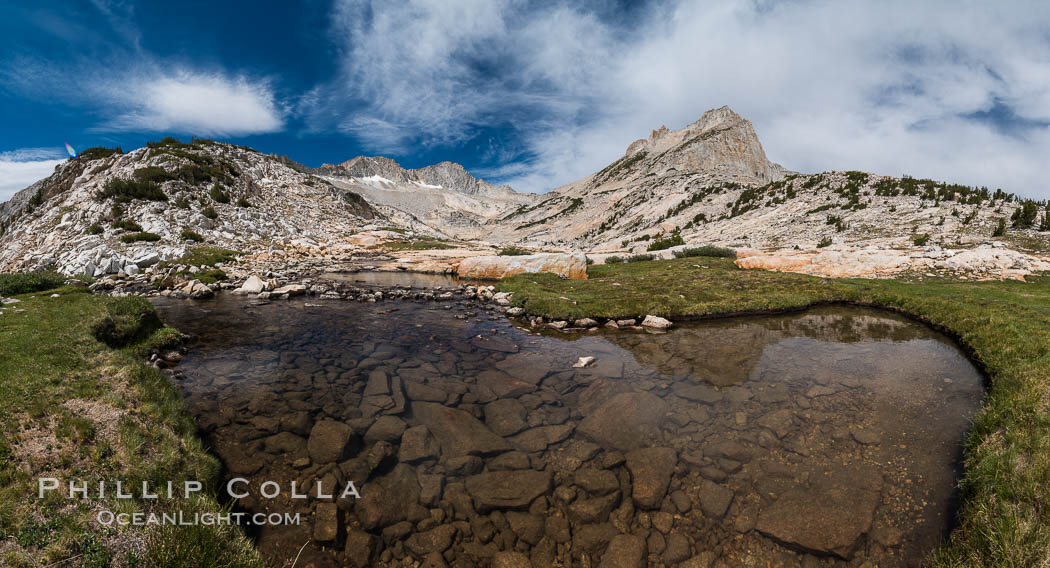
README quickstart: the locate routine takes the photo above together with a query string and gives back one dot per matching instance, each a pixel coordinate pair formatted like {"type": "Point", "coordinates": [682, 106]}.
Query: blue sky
{"type": "Point", "coordinates": [535, 94]}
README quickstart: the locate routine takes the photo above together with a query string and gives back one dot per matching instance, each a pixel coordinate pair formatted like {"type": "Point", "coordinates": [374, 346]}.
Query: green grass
{"type": "Point", "coordinates": [706, 250]}
{"type": "Point", "coordinates": [1004, 519]}
{"type": "Point", "coordinates": [210, 276]}
{"type": "Point", "coordinates": [203, 256]}
{"type": "Point", "coordinates": [190, 235]}
{"type": "Point", "coordinates": [210, 212]}
{"type": "Point", "coordinates": [12, 284]}
{"type": "Point", "coordinates": [513, 251]}
{"type": "Point", "coordinates": [51, 356]}
{"type": "Point", "coordinates": [419, 244]}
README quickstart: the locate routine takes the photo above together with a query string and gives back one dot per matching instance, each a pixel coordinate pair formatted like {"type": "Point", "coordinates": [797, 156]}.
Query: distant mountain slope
{"type": "Point", "coordinates": [443, 196]}
{"type": "Point", "coordinates": [110, 209]}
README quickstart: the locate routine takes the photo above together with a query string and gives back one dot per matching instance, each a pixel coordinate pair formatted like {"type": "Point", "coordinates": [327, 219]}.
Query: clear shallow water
{"type": "Point", "coordinates": [825, 438]}
{"type": "Point", "coordinates": [388, 278]}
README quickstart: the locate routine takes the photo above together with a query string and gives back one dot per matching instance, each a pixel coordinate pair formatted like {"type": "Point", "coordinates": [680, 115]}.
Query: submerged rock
{"type": "Point", "coordinates": [457, 432]}
{"type": "Point", "coordinates": [651, 470]}
{"type": "Point", "coordinates": [507, 489]}
{"type": "Point", "coordinates": [626, 421]}
{"type": "Point", "coordinates": [329, 441]}
{"type": "Point", "coordinates": [831, 523]}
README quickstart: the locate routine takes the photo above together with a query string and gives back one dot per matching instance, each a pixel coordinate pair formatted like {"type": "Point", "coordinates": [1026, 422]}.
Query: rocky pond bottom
{"type": "Point", "coordinates": [826, 438]}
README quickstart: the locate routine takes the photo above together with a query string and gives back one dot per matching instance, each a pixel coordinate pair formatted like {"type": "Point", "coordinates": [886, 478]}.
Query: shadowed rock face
{"type": "Point", "coordinates": [572, 266]}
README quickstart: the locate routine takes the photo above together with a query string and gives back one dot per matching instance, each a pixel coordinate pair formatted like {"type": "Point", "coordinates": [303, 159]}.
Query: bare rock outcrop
{"type": "Point", "coordinates": [572, 266]}
{"type": "Point", "coordinates": [983, 262]}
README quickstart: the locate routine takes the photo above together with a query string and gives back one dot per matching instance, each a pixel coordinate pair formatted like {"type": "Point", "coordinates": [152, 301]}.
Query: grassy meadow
{"type": "Point", "coordinates": [80, 402]}
{"type": "Point", "coordinates": [1004, 520]}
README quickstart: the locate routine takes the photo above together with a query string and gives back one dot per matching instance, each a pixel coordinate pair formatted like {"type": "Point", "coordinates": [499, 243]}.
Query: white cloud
{"type": "Point", "coordinates": [22, 167]}
{"type": "Point", "coordinates": [195, 103]}
{"type": "Point", "coordinates": [881, 86]}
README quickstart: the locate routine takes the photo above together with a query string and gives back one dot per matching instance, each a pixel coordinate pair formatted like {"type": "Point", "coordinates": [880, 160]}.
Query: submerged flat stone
{"type": "Point", "coordinates": [457, 432]}
{"type": "Point", "coordinates": [830, 516]}
{"type": "Point", "coordinates": [513, 489]}
{"type": "Point", "coordinates": [626, 421]}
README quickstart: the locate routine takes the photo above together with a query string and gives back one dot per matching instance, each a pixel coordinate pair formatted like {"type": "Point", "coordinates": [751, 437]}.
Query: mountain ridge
{"type": "Point", "coordinates": [709, 182]}
{"type": "Point", "coordinates": [447, 174]}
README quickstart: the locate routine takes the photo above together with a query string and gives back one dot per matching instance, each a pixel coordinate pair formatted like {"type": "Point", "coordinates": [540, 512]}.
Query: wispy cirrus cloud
{"type": "Point", "coordinates": [149, 97]}
{"type": "Point", "coordinates": [940, 89]}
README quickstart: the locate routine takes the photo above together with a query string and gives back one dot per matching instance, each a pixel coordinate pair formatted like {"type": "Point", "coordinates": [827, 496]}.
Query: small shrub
{"type": "Point", "coordinates": [12, 284]}
{"type": "Point", "coordinates": [195, 174]}
{"type": "Point", "coordinates": [209, 276]}
{"type": "Point", "coordinates": [98, 153]}
{"type": "Point", "coordinates": [513, 251]}
{"type": "Point", "coordinates": [1000, 229]}
{"type": "Point", "coordinates": [613, 259]}
{"type": "Point", "coordinates": [137, 237]}
{"type": "Point", "coordinates": [706, 250]}
{"type": "Point", "coordinates": [188, 235]}
{"type": "Point", "coordinates": [127, 320]}
{"type": "Point", "coordinates": [825, 242]}
{"type": "Point", "coordinates": [210, 212]}
{"type": "Point", "coordinates": [640, 258]}
{"type": "Point", "coordinates": [672, 241]}
{"type": "Point", "coordinates": [124, 190]}
{"type": "Point", "coordinates": [1024, 216]}
{"type": "Point", "coordinates": [921, 240]}
{"type": "Point", "coordinates": [182, 202]}
{"type": "Point", "coordinates": [126, 225]}
{"type": "Point", "coordinates": [242, 202]}
{"type": "Point", "coordinates": [95, 229]}
{"type": "Point", "coordinates": [155, 174]}
{"type": "Point", "coordinates": [218, 195]}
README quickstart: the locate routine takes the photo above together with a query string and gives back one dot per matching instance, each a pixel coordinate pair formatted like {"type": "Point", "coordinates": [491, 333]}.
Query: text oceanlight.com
{"type": "Point", "coordinates": [109, 518]}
